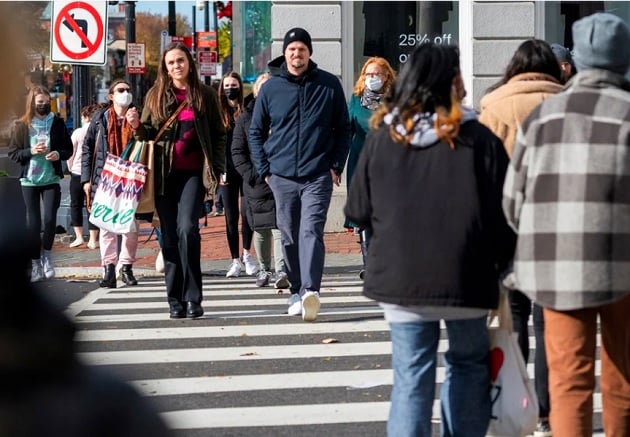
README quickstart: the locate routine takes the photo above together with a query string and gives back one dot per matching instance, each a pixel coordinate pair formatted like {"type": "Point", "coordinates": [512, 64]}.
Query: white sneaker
{"type": "Point", "coordinates": [310, 306]}
{"type": "Point", "coordinates": [281, 280]}
{"type": "Point", "coordinates": [295, 305]}
{"type": "Point", "coordinates": [251, 266]}
{"type": "Point", "coordinates": [47, 266]}
{"type": "Point", "coordinates": [77, 242]}
{"type": "Point", "coordinates": [235, 269]}
{"type": "Point", "coordinates": [37, 271]}
{"type": "Point", "coordinates": [92, 245]}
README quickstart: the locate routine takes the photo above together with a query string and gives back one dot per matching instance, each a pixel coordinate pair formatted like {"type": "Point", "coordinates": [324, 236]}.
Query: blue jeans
{"type": "Point", "coordinates": [465, 394]}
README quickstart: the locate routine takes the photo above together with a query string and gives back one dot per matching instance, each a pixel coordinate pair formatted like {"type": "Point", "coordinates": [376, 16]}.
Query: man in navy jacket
{"type": "Point", "coordinates": [299, 141]}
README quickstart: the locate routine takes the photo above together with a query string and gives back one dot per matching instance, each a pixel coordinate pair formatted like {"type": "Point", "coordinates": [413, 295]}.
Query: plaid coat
{"type": "Point", "coordinates": [567, 195]}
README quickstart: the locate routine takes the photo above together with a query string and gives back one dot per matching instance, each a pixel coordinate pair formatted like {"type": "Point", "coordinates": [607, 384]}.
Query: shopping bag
{"type": "Point", "coordinates": [514, 402]}
{"type": "Point", "coordinates": [117, 195]}
{"type": "Point", "coordinates": [142, 152]}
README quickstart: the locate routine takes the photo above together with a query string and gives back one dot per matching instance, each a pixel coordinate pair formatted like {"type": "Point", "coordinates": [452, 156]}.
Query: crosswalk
{"type": "Point", "coordinates": [246, 367]}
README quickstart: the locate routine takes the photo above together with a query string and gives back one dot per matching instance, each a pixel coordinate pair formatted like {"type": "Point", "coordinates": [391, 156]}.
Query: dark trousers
{"type": "Point", "coordinates": [77, 200]}
{"type": "Point", "coordinates": [301, 211]}
{"type": "Point", "coordinates": [521, 309]}
{"type": "Point", "coordinates": [179, 211]}
{"type": "Point", "coordinates": [50, 197]}
{"type": "Point", "coordinates": [230, 194]}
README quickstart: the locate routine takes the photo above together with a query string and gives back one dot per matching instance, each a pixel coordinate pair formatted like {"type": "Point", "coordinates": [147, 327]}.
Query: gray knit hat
{"type": "Point", "coordinates": [602, 41]}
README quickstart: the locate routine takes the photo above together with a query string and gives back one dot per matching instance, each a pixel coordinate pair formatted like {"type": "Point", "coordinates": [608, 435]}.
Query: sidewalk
{"type": "Point", "coordinates": [343, 253]}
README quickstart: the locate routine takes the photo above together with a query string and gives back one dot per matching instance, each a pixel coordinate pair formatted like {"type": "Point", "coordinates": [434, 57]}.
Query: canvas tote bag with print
{"type": "Point", "coordinates": [514, 401]}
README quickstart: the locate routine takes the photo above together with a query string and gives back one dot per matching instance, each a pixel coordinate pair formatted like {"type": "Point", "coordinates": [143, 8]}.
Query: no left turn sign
{"type": "Point", "coordinates": [78, 32]}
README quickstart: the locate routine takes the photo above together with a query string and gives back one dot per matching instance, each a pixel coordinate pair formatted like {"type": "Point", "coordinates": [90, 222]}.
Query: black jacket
{"type": "Point", "coordinates": [439, 233]}
{"type": "Point", "coordinates": [260, 206]}
{"type": "Point", "coordinates": [300, 125]}
{"type": "Point", "coordinates": [20, 145]}
{"type": "Point", "coordinates": [95, 149]}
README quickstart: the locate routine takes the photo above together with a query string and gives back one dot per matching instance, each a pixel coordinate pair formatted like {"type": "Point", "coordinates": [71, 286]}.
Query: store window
{"type": "Point", "coordinates": [391, 29]}
{"type": "Point", "coordinates": [255, 37]}
{"type": "Point", "coordinates": [560, 16]}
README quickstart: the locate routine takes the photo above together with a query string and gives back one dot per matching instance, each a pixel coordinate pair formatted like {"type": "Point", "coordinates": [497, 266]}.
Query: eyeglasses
{"type": "Point", "coordinates": [122, 90]}
{"type": "Point", "coordinates": [374, 74]}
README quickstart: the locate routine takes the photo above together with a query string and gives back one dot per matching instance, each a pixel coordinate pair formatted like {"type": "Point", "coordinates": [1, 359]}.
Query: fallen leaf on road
{"type": "Point", "coordinates": [330, 340]}
{"type": "Point", "coordinates": [249, 354]}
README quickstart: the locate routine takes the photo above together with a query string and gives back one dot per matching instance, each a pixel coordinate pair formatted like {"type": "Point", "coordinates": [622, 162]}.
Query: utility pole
{"type": "Point", "coordinates": [172, 23]}
{"type": "Point", "coordinates": [80, 92]}
{"type": "Point", "coordinates": [206, 27]}
{"type": "Point", "coordinates": [130, 37]}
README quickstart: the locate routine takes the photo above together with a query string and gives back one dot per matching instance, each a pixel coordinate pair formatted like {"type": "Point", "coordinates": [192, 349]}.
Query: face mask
{"type": "Point", "coordinates": [123, 99]}
{"type": "Point", "coordinates": [373, 83]}
{"type": "Point", "coordinates": [43, 109]}
{"type": "Point", "coordinates": [232, 93]}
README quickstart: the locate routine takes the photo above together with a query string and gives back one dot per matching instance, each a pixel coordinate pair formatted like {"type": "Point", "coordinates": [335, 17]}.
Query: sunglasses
{"type": "Point", "coordinates": [122, 90]}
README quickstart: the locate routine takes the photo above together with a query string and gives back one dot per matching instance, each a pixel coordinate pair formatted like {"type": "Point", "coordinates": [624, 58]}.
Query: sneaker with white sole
{"type": "Point", "coordinates": [310, 305]}
{"type": "Point", "coordinates": [282, 281]}
{"type": "Point", "coordinates": [159, 262]}
{"type": "Point", "coordinates": [262, 279]}
{"type": "Point", "coordinates": [543, 429]}
{"type": "Point", "coordinates": [77, 242]}
{"type": "Point", "coordinates": [251, 266]}
{"type": "Point", "coordinates": [235, 269]}
{"type": "Point", "coordinates": [37, 271]}
{"type": "Point", "coordinates": [47, 265]}
{"type": "Point", "coordinates": [295, 305]}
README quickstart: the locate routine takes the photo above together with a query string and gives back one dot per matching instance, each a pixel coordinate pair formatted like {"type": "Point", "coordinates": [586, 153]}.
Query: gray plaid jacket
{"type": "Point", "coordinates": [567, 195]}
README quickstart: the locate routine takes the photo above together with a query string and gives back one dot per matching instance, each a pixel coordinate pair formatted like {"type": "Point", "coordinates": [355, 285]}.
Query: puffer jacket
{"type": "Point", "coordinates": [260, 206]}
{"type": "Point", "coordinates": [95, 149]}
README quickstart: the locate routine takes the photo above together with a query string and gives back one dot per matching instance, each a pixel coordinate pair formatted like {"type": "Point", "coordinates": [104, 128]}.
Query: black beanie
{"type": "Point", "coordinates": [297, 34]}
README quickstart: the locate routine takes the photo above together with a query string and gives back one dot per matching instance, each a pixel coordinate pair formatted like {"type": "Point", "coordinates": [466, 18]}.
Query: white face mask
{"type": "Point", "coordinates": [123, 99]}
{"type": "Point", "coordinates": [373, 83]}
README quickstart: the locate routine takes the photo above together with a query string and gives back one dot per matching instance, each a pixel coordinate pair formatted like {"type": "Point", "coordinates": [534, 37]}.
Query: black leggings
{"type": "Point", "coordinates": [50, 195]}
{"type": "Point", "coordinates": [230, 194]}
{"type": "Point", "coordinates": [77, 199]}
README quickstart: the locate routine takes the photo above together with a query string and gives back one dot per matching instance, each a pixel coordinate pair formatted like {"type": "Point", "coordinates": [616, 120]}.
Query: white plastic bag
{"type": "Point", "coordinates": [514, 402]}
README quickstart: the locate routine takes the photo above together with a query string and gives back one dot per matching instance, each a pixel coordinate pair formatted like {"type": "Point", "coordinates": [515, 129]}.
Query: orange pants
{"type": "Point", "coordinates": [570, 342]}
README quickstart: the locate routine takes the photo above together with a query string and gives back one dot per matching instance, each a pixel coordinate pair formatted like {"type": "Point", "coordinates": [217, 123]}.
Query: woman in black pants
{"type": "Point", "coordinates": [39, 141]}
{"type": "Point", "coordinates": [231, 183]}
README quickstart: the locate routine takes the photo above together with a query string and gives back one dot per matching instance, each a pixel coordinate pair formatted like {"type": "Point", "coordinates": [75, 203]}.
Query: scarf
{"type": "Point", "coordinates": [117, 139]}
{"type": "Point", "coordinates": [423, 126]}
{"type": "Point", "coordinates": [370, 99]}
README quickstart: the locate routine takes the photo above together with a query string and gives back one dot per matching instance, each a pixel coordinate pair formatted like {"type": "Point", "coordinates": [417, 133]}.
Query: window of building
{"type": "Point", "coordinates": [391, 29]}
{"type": "Point", "coordinates": [255, 38]}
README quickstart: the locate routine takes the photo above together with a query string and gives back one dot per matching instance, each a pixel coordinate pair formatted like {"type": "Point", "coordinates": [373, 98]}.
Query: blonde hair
{"type": "Point", "coordinates": [390, 74]}
{"type": "Point", "coordinates": [262, 78]}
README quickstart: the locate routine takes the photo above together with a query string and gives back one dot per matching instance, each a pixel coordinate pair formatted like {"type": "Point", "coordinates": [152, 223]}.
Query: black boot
{"type": "Point", "coordinates": [109, 276]}
{"type": "Point", "coordinates": [127, 275]}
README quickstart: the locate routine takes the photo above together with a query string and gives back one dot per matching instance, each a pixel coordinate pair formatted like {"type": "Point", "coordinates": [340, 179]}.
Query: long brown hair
{"type": "Point", "coordinates": [226, 109]}
{"type": "Point", "coordinates": [390, 74]}
{"type": "Point", "coordinates": [156, 100]}
{"type": "Point", "coordinates": [29, 111]}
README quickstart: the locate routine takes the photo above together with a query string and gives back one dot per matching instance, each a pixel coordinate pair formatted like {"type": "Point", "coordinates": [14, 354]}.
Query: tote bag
{"type": "Point", "coordinates": [514, 401]}
{"type": "Point", "coordinates": [117, 195]}
{"type": "Point", "coordinates": [142, 152]}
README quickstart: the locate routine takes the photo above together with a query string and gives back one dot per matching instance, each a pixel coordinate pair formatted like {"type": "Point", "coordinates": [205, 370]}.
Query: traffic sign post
{"type": "Point", "coordinates": [78, 32]}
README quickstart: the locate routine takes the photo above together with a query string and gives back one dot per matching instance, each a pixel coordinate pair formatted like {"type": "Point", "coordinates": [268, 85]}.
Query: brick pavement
{"type": "Point", "coordinates": [214, 246]}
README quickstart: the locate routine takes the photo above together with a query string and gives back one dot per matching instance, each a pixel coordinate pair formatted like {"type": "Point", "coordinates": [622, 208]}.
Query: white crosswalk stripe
{"type": "Point", "coordinates": [246, 364]}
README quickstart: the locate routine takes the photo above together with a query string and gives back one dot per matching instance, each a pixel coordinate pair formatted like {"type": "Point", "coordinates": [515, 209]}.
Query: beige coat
{"type": "Point", "coordinates": [504, 108]}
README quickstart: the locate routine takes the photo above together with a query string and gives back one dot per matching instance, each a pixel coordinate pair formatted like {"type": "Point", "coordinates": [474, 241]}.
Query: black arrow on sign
{"type": "Point", "coordinates": [83, 24]}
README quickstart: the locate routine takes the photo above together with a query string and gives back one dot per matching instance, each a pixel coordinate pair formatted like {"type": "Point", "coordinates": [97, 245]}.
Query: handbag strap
{"type": "Point", "coordinates": [169, 121]}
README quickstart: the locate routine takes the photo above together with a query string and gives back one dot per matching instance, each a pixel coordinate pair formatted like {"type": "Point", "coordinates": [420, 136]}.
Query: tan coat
{"type": "Point", "coordinates": [504, 108]}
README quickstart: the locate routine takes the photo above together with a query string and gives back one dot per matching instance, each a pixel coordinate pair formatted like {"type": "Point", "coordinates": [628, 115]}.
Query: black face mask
{"type": "Point", "coordinates": [43, 109]}
{"type": "Point", "coordinates": [232, 93]}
